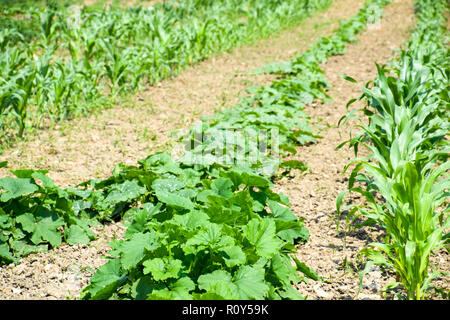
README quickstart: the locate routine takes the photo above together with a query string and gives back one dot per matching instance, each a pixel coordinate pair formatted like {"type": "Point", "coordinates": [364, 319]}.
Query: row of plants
{"type": "Point", "coordinates": [18, 24]}
{"type": "Point", "coordinates": [404, 180]}
{"type": "Point", "coordinates": [195, 229]}
{"type": "Point", "coordinates": [277, 109]}
{"type": "Point", "coordinates": [84, 60]}
{"type": "Point", "coordinates": [217, 233]}
{"type": "Point", "coordinates": [233, 237]}
{"type": "Point", "coordinates": [32, 191]}
{"type": "Point", "coordinates": [54, 215]}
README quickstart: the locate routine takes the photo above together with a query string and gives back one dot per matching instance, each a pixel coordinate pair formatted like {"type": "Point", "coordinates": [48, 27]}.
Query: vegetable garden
{"type": "Point", "coordinates": [211, 222]}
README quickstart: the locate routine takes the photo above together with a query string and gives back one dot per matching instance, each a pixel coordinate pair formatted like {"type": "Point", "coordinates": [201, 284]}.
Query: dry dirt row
{"type": "Point", "coordinates": [116, 136]}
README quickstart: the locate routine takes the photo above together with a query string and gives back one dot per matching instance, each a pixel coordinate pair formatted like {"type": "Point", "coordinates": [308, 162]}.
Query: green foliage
{"type": "Point", "coordinates": [83, 60]}
{"type": "Point", "coordinates": [226, 235]}
{"type": "Point", "coordinates": [408, 163]}
{"type": "Point", "coordinates": [274, 111]}
{"type": "Point", "coordinates": [209, 231]}
{"type": "Point", "coordinates": [212, 236]}
{"type": "Point", "coordinates": [35, 214]}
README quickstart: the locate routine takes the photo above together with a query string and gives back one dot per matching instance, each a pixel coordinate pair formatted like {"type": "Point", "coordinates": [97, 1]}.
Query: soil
{"type": "Point", "coordinates": [115, 136]}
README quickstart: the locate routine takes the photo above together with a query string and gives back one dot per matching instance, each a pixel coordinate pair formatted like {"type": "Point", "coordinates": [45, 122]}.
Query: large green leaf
{"type": "Point", "coordinates": [43, 226]}
{"type": "Point", "coordinates": [250, 283]}
{"type": "Point", "coordinates": [174, 200]}
{"type": "Point", "coordinates": [133, 251]}
{"type": "Point", "coordinates": [211, 236]}
{"type": "Point", "coordinates": [222, 187]}
{"type": "Point", "coordinates": [280, 212]}
{"type": "Point", "coordinates": [5, 254]}
{"type": "Point", "coordinates": [126, 191]}
{"type": "Point", "coordinates": [169, 185]}
{"type": "Point", "coordinates": [162, 269]}
{"type": "Point", "coordinates": [104, 282]}
{"type": "Point", "coordinates": [218, 282]}
{"type": "Point", "coordinates": [261, 234]}
{"type": "Point", "coordinates": [16, 187]}
{"type": "Point", "coordinates": [75, 234]}
{"type": "Point", "coordinates": [178, 290]}
{"type": "Point", "coordinates": [233, 256]}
